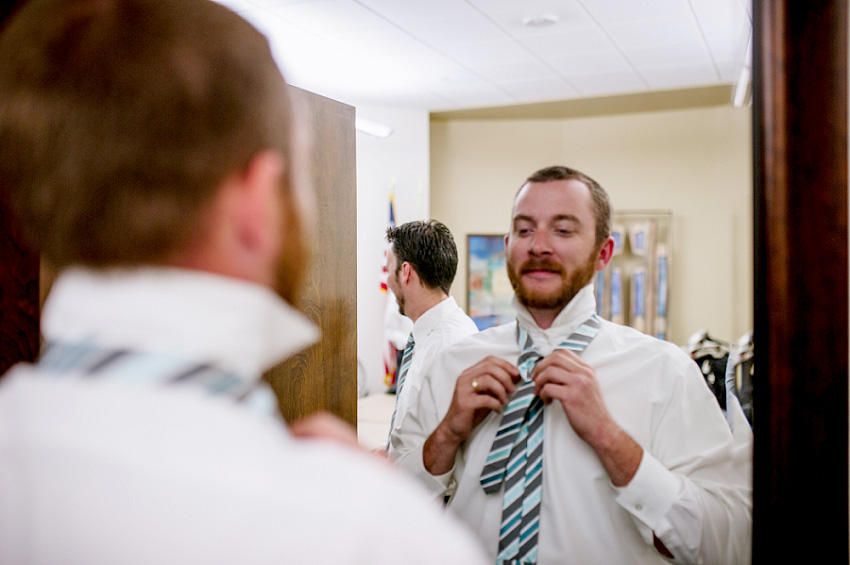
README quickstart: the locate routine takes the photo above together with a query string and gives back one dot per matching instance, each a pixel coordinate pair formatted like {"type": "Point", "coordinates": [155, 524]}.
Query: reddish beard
{"type": "Point", "coordinates": [399, 298]}
{"type": "Point", "coordinates": [293, 262]}
{"type": "Point", "coordinates": [571, 283]}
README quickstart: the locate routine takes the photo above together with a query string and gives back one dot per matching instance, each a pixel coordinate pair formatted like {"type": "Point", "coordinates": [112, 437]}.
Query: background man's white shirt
{"type": "Point", "coordinates": [441, 326]}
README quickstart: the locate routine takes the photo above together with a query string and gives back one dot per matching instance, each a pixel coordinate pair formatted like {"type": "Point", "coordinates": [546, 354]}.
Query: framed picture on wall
{"type": "Point", "coordinates": [488, 290]}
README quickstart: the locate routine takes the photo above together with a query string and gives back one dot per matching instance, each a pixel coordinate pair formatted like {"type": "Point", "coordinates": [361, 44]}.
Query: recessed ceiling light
{"type": "Point", "coordinates": [540, 21]}
{"type": "Point", "coordinates": [372, 128]}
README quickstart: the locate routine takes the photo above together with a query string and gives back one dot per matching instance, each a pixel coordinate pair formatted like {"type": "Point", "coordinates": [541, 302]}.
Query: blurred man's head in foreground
{"type": "Point", "coordinates": [132, 132]}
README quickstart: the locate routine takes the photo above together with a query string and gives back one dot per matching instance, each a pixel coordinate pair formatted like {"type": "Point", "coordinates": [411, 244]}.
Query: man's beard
{"type": "Point", "coordinates": [399, 298]}
{"type": "Point", "coordinates": [400, 301]}
{"type": "Point", "coordinates": [556, 300]}
{"type": "Point", "coordinates": [293, 262]}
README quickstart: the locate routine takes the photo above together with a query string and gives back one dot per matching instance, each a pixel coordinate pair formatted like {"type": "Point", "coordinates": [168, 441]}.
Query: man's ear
{"type": "Point", "coordinates": [259, 220]}
{"type": "Point", "coordinates": [405, 272]}
{"type": "Point", "coordinates": [605, 254]}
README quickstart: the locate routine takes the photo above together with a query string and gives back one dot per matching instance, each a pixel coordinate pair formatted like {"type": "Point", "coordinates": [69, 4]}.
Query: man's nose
{"type": "Point", "coordinates": [541, 243]}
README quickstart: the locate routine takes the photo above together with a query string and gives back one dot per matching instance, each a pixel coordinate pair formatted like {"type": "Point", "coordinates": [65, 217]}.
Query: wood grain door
{"type": "Point", "coordinates": [324, 377]}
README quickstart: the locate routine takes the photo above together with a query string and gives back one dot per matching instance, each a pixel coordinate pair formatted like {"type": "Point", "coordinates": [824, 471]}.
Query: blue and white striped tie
{"type": "Point", "coordinates": [406, 360]}
{"type": "Point", "coordinates": [516, 457]}
{"type": "Point", "coordinates": [155, 369]}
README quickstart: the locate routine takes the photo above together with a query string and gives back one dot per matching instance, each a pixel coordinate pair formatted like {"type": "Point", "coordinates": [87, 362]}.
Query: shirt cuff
{"type": "Point", "coordinates": [413, 463]}
{"type": "Point", "coordinates": [650, 494]}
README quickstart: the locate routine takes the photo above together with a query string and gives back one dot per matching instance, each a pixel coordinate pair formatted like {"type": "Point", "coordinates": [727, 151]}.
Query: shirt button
{"type": "Point", "coordinates": [638, 507]}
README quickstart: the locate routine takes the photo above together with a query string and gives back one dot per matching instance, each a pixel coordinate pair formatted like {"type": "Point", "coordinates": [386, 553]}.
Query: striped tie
{"type": "Point", "coordinates": [406, 360]}
{"type": "Point", "coordinates": [131, 367]}
{"type": "Point", "coordinates": [516, 457]}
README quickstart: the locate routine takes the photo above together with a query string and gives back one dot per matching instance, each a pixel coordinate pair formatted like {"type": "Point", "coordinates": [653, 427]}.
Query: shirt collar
{"type": "Point", "coordinates": [579, 309]}
{"type": "Point", "coordinates": [426, 322]}
{"type": "Point", "coordinates": [234, 324]}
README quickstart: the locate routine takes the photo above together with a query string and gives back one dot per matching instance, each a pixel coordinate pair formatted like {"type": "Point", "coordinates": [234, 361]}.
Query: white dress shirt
{"type": "Point", "coordinates": [105, 470]}
{"type": "Point", "coordinates": [693, 486]}
{"type": "Point", "coordinates": [441, 326]}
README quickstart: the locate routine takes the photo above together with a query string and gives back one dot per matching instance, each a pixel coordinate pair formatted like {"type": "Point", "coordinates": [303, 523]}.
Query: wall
{"type": "Point", "coordinates": [695, 162]}
{"type": "Point", "coordinates": [399, 163]}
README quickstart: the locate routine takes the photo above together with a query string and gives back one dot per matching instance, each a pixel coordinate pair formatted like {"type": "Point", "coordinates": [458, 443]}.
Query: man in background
{"type": "Point", "coordinates": [150, 151]}
{"type": "Point", "coordinates": [421, 265]}
{"type": "Point", "coordinates": [572, 439]}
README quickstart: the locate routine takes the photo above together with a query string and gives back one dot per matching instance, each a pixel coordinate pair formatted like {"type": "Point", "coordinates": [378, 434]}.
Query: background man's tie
{"type": "Point", "coordinates": [516, 457]}
{"type": "Point", "coordinates": [406, 360]}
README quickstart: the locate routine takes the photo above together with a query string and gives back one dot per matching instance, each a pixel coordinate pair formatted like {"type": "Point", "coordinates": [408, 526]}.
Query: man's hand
{"type": "Point", "coordinates": [482, 388]}
{"type": "Point", "coordinates": [324, 425]}
{"type": "Point", "coordinates": [562, 376]}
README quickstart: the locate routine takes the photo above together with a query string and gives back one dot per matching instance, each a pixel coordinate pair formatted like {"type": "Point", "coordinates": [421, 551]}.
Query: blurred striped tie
{"type": "Point", "coordinates": [156, 369]}
{"type": "Point", "coordinates": [516, 457]}
{"type": "Point", "coordinates": [406, 360]}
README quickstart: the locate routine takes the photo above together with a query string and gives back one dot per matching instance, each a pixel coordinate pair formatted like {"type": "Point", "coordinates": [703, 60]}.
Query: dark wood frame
{"type": "Point", "coordinates": [19, 276]}
{"type": "Point", "coordinates": [800, 333]}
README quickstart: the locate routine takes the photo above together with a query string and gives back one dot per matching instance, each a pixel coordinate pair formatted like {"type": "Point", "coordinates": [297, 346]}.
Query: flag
{"type": "Point", "coordinates": [384, 264]}
{"type": "Point", "coordinates": [390, 353]}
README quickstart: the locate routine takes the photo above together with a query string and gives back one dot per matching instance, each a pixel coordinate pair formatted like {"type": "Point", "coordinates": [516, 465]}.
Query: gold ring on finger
{"type": "Point", "coordinates": [475, 385]}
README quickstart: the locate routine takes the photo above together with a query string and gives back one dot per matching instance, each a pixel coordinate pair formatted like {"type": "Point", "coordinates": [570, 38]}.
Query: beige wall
{"type": "Point", "coordinates": [696, 163]}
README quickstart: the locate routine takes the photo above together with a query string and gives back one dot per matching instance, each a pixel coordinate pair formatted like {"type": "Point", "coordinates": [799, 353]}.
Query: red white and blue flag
{"type": "Point", "coordinates": [390, 352]}
{"type": "Point", "coordinates": [384, 264]}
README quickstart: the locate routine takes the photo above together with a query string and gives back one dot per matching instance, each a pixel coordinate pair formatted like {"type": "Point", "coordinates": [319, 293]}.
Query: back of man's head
{"type": "Point", "coordinates": [430, 248]}
{"type": "Point", "coordinates": [119, 120]}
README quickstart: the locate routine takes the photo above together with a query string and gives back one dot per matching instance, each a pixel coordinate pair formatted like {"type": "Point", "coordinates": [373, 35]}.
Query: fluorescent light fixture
{"type": "Point", "coordinates": [742, 87]}
{"type": "Point", "coordinates": [372, 128]}
{"type": "Point", "coordinates": [743, 94]}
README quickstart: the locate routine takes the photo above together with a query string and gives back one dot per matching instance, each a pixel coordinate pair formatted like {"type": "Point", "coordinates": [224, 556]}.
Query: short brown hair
{"type": "Point", "coordinates": [119, 119]}
{"type": "Point", "coordinates": [601, 202]}
{"type": "Point", "coordinates": [430, 248]}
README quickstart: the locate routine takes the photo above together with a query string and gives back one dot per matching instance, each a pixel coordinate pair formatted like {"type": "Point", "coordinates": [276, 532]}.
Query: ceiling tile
{"type": "Point", "coordinates": [682, 76]}
{"type": "Point", "coordinates": [477, 53]}
{"type": "Point", "coordinates": [539, 90]}
{"type": "Point", "coordinates": [466, 28]}
{"type": "Point", "coordinates": [328, 16]}
{"type": "Point", "coordinates": [581, 40]}
{"type": "Point", "coordinates": [526, 70]}
{"type": "Point", "coordinates": [440, 52]}
{"type": "Point", "coordinates": [407, 12]}
{"type": "Point", "coordinates": [378, 40]}
{"type": "Point", "coordinates": [629, 11]}
{"type": "Point", "coordinates": [654, 32]}
{"type": "Point", "coordinates": [437, 72]}
{"type": "Point", "coordinates": [473, 95]}
{"type": "Point", "coordinates": [601, 84]}
{"type": "Point", "coordinates": [589, 63]}
{"type": "Point", "coordinates": [673, 54]}
{"type": "Point", "coordinates": [726, 26]}
{"type": "Point", "coordinates": [729, 70]}
{"type": "Point", "coordinates": [511, 15]}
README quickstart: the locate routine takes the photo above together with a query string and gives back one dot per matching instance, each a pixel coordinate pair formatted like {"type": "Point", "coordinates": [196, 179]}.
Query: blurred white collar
{"type": "Point", "coordinates": [229, 322]}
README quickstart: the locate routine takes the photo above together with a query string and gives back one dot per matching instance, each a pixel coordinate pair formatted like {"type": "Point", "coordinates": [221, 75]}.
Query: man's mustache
{"type": "Point", "coordinates": [541, 265]}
